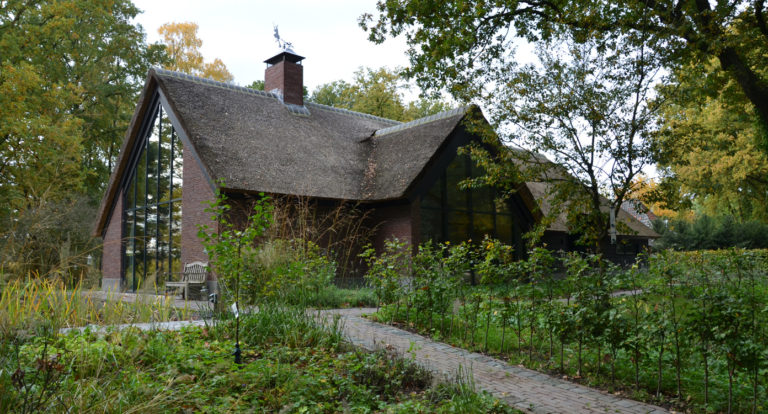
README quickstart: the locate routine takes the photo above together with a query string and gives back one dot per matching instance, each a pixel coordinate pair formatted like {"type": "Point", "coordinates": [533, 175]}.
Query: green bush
{"type": "Point", "coordinates": [706, 233]}
{"type": "Point", "coordinates": [691, 333]}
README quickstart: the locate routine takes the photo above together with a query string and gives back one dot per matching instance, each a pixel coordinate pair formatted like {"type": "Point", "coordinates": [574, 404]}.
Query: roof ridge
{"type": "Point", "coordinates": [296, 109]}
{"type": "Point", "coordinates": [211, 82]}
{"type": "Point", "coordinates": [353, 113]}
{"type": "Point", "coordinates": [425, 120]}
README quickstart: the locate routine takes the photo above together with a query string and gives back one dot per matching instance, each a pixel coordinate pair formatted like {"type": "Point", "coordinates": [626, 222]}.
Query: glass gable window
{"type": "Point", "coordinates": [454, 215]}
{"type": "Point", "coordinates": [152, 209]}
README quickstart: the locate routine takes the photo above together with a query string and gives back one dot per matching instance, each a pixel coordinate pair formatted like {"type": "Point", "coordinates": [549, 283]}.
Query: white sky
{"type": "Point", "coordinates": [240, 33]}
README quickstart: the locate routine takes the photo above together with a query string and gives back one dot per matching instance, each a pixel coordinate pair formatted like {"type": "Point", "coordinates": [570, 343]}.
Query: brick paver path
{"type": "Point", "coordinates": [522, 388]}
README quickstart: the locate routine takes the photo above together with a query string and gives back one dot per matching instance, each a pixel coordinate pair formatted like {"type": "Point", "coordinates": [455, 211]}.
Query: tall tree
{"type": "Point", "coordinates": [708, 149]}
{"type": "Point", "coordinates": [183, 48]}
{"type": "Point", "coordinates": [376, 92]}
{"type": "Point", "coordinates": [70, 73]}
{"type": "Point", "coordinates": [586, 107]}
{"type": "Point", "coordinates": [454, 42]}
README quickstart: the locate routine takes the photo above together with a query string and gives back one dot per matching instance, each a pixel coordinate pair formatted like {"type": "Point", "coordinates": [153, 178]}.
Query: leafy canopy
{"type": "Point", "coordinates": [183, 48]}
{"type": "Point", "coordinates": [376, 92]}
{"type": "Point", "coordinates": [709, 149]}
{"type": "Point", "coordinates": [452, 42]}
{"type": "Point", "coordinates": [69, 75]}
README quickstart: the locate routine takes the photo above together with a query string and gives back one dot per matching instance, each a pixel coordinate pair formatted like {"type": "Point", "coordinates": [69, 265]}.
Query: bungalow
{"type": "Point", "coordinates": [189, 135]}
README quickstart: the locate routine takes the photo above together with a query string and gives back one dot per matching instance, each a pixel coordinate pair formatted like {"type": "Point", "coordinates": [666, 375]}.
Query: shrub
{"type": "Point", "coordinates": [293, 271]}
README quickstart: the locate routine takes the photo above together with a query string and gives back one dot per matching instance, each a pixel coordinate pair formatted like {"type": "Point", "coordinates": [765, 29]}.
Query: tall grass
{"type": "Point", "coordinates": [26, 303]}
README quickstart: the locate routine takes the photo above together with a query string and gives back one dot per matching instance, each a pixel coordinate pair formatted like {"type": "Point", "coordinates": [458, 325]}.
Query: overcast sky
{"type": "Point", "coordinates": [240, 33]}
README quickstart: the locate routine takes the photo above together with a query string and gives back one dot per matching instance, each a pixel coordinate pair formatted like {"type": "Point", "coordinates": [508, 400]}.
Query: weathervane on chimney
{"type": "Point", "coordinates": [281, 43]}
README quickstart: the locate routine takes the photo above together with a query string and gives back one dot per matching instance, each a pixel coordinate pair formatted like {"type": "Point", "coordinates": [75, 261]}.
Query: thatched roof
{"type": "Point", "coordinates": [253, 142]}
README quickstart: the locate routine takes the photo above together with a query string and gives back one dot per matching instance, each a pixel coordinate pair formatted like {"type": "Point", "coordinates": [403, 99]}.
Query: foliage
{"type": "Point", "coordinates": [291, 364]}
{"type": "Point", "coordinates": [709, 147]}
{"type": "Point", "coordinates": [705, 233]}
{"type": "Point", "coordinates": [264, 250]}
{"type": "Point", "coordinates": [648, 191]}
{"type": "Point", "coordinates": [467, 47]}
{"type": "Point", "coordinates": [230, 247]}
{"type": "Point", "coordinates": [690, 332]}
{"type": "Point", "coordinates": [70, 74]}
{"type": "Point", "coordinates": [585, 105]}
{"type": "Point", "coordinates": [376, 92]}
{"type": "Point", "coordinates": [291, 271]}
{"type": "Point", "coordinates": [51, 239]}
{"type": "Point", "coordinates": [386, 269]}
{"type": "Point", "coordinates": [183, 48]}
{"type": "Point", "coordinates": [459, 44]}
{"type": "Point", "coordinates": [341, 229]}
{"type": "Point", "coordinates": [26, 305]}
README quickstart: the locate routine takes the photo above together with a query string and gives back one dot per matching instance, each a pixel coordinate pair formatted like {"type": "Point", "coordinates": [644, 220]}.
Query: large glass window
{"type": "Point", "coordinates": [451, 214]}
{"type": "Point", "coordinates": [152, 214]}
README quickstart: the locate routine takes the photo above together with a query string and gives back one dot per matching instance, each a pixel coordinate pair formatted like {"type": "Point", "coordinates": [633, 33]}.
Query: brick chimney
{"type": "Point", "coordinates": [285, 75]}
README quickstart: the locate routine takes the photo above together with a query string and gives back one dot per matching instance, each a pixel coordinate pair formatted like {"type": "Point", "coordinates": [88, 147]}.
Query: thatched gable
{"type": "Point", "coordinates": [253, 142]}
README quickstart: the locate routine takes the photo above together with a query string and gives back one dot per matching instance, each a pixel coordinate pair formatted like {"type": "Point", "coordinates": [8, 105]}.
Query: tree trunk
{"type": "Point", "coordinates": [753, 87]}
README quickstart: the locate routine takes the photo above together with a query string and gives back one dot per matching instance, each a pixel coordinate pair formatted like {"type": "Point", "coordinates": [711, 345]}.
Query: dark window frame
{"type": "Point", "coordinates": [444, 210]}
{"type": "Point", "coordinates": [156, 119]}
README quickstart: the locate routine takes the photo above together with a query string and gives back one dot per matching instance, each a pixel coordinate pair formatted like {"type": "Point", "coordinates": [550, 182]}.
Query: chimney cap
{"type": "Point", "coordinates": [288, 55]}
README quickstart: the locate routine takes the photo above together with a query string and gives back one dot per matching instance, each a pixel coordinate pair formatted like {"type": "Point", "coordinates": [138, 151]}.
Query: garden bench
{"type": "Point", "coordinates": [195, 273]}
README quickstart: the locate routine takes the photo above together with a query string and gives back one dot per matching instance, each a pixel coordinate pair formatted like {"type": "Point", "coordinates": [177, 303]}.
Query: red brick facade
{"type": "Point", "coordinates": [112, 251]}
{"type": "Point", "coordinates": [393, 222]}
{"type": "Point", "coordinates": [288, 77]}
{"type": "Point", "coordinates": [195, 196]}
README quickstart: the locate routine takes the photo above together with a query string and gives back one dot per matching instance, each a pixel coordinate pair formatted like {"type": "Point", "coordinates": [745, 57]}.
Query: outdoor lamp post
{"type": "Point", "coordinates": [236, 309]}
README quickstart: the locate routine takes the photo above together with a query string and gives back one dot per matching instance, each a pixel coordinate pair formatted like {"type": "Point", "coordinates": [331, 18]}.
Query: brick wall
{"type": "Point", "coordinates": [289, 78]}
{"type": "Point", "coordinates": [393, 222]}
{"type": "Point", "coordinates": [112, 252]}
{"type": "Point", "coordinates": [196, 192]}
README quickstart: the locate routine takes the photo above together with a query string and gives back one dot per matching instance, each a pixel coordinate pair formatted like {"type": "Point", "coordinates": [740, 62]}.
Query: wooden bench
{"type": "Point", "coordinates": [195, 273]}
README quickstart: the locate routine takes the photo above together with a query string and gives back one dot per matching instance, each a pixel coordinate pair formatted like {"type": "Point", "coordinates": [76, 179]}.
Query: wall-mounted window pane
{"type": "Point", "coordinates": [483, 225]}
{"type": "Point", "coordinates": [431, 225]}
{"type": "Point", "coordinates": [482, 200]}
{"type": "Point", "coordinates": [128, 245]}
{"type": "Point", "coordinates": [454, 174]}
{"type": "Point", "coordinates": [459, 229]}
{"type": "Point", "coordinates": [165, 160]}
{"type": "Point", "coordinates": [504, 228]}
{"type": "Point", "coordinates": [178, 160]}
{"type": "Point", "coordinates": [176, 239]}
{"type": "Point", "coordinates": [151, 249]}
{"type": "Point", "coordinates": [433, 196]}
{"type": "Point", "coordinates": [152, 217]}
{"type": "Point", "coordinates": [163, 239]}
{"type": "Point", "coordinates": [153, 148]}
{"type": "Point", "coordinates": [139, 250]}
{"type": "Point", "coordinates": [468, 214]}
{"type": "Point", "coordinates": [130, 194]}
{"type": "Point", "coordinates": [141, 180]}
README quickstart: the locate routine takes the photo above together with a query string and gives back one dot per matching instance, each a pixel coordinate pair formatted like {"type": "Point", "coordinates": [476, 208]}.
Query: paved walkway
{"type": "Point", "coordinates": [522, 388]}
{"type": "Point", "coordinates": [148, 326]}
